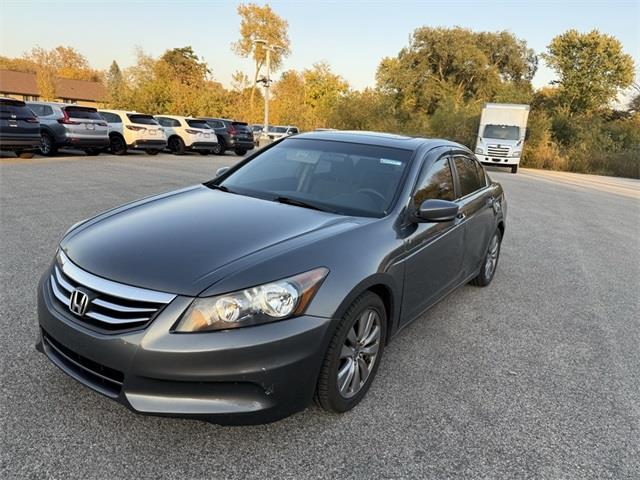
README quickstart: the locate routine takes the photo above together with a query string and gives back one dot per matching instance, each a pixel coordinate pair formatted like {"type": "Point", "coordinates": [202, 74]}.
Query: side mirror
{"type": "Point", "coordinates": [437, 211]}
{"type": "Point", "coordinates": [222, 171]}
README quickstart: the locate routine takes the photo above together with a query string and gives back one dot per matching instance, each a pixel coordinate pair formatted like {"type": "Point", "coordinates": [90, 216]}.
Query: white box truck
{"type": "Point", "coordinates": [501, 135]}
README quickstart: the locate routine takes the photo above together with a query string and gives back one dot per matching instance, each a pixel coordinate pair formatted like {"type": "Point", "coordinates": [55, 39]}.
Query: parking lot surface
{"type": "Point", "coordinates": [536, 376]}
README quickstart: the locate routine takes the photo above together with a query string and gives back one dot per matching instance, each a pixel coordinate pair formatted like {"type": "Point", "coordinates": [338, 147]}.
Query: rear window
{"type": "Point", "coordinates": [14, 109]}
{"type": "Point", "coordinates": [142, 119]}
{"type": "Point", "coordinates": [198, 124]}
{"type": "Point", "coordinates": [84, 113]}
{"type": "Point", "coordinates": [278, 129]}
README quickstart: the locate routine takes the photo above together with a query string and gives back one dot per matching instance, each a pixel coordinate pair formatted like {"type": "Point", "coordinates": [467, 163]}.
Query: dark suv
{"type": "Point", "coordinates": [232, 135]}
{"type": "Point", "coordinates": [19, 128]}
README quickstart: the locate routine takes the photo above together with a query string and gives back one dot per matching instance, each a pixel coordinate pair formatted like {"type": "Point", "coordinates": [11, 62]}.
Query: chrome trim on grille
{"type": "Point", "coordinates": [113, 307]}
{"type": "Point", "coordinates": [103, 285]}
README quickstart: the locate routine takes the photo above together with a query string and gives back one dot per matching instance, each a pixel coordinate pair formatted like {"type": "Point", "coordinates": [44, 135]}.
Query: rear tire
{"type": "Point", "coordinates": [218, 149]}
{"type": "Point", "coordinates": [92, 152]}
{"type": "Point", "coordinates": [514, 169]}
{"type": "Point", "coordinates": [117, 145]}
{"type": "Point", "coordinates": [240, 151]}
{"type": "Point", "coordinates": [151, 151]}
{"type": "Point", "coordinates": [25, 155]}
{"type": "Point", "coordinates": [354, 352]}
{"type": "Point", "coordinates": [490, 262]}
{"type": "Point", "coordinates": [48, 146]}
{"type": "Point", "coordinates": [176, 145]}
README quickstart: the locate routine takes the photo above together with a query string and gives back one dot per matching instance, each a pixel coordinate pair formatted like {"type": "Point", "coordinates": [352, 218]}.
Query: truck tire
{"type": "Point", "coordinates": [514, 169]}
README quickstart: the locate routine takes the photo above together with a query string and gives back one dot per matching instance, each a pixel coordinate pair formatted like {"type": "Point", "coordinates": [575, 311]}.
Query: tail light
{"type": "Point", "coordinates": [192, 132]}
{"type": "Point", "coordinates": [65, 119]}
{"type": "Point", "coordinates": [135, 129]}
{"type": "Point", "coordinates": [231, 130]}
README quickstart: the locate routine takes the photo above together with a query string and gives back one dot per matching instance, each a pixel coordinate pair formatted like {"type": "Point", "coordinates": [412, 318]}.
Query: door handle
{"type": "Point", "coordinates": [490, 201]}
{"type": "Point", "coordinates": [461, 216]}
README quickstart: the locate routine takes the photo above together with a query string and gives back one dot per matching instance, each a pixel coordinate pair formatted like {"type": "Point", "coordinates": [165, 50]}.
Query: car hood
{"type": "Point", "coordinates": [176, 242]}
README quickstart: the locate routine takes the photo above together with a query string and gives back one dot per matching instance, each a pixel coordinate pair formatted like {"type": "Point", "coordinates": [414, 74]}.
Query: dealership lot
{"type": "Point", "coordinates": [535, 376]}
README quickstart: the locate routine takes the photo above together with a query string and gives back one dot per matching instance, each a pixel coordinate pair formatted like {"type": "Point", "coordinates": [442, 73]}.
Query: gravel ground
{"type": "Point", "coordinates": [537, 376]}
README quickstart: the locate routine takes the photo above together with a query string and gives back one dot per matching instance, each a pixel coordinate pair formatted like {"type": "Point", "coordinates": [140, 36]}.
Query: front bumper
{"type": "Point", "coordinates": [245, 376]}
{"type": "Point", "coordinates": [498, 161]}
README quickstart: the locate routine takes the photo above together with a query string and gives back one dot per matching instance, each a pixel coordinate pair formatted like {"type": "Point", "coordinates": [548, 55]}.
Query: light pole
{"type": "Point", "coordinates": [267, 83]}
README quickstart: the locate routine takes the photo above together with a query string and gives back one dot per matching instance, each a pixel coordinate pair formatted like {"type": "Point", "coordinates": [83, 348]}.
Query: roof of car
{"type": "Point", "coordinates": [126, 112]}
{"type": "Point", "coordinates": [377, 138]}
{"type": "Point", "coordinates": [60, 104]}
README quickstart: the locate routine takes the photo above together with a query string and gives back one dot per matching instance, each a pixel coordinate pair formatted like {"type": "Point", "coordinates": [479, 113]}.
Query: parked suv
{"type": "Point", "coordinates": [184, 133]}
{"type": "Point", "coordinates": [132, 130]}
{"type": "Point", "coordinates": [276, 132]}
{"type": "Point", "coordinates": [71, 126]}
{"type": "Point", "coordinates": [232, 135]}
{"type": "Point", "coordinates": [19, 128]}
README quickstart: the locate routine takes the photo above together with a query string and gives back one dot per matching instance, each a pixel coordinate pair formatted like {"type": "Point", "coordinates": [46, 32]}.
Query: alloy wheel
{"type": "Point", "coordinates": [359, 353]}
{"type": "Point", "coordinates": [492, 257]}
{"type": "Point", "coordinates": [45, 144]}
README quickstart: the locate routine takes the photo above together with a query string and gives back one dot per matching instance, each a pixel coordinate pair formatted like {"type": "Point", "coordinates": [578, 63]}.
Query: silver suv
{"type": "Point", "coordinates": [65, 125]}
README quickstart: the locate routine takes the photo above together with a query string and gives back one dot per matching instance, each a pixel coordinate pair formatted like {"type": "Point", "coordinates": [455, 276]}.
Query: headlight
{"type": "Point", "coordinates": [517, 153]}
{"type": "Point", "coordinates": [479, 150]}
{"type": "Point", "coordinates": [261, 304]}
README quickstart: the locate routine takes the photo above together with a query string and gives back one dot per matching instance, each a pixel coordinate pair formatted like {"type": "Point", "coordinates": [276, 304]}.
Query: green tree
{"type": "Point", "coordinates": [453, 63]}
{"type": "Point", "coordinates": [592, 69]}
{"type": "Point", "coordinates": [261, 23]}
{"type": "Point", "coordinates": [115, 86]}
{"type": "Point", "coordinates": [322, 89]}
{"type": "Point", "coordinates": [185, 66]}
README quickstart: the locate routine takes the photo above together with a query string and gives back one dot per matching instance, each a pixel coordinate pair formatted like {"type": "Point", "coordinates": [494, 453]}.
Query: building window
{"type": "Point", "coordinates": [69, 100]}
{"type": "Point", "coordinates": [30, 98]}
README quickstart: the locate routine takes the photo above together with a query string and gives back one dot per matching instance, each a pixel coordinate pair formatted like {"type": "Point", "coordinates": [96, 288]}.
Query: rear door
{"type": "Point", "coordinates": [476, 207]}
{"type": "Point", "coordinates": [17, 121]}
{"type": "Point", "coordinates": [84, 123]}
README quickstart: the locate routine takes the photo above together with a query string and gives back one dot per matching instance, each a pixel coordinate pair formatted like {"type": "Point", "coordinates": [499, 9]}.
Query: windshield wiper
{"type": "Point", "coordinates": [220, 187]}
{"type": "Point", "coordinates": [300, 203]}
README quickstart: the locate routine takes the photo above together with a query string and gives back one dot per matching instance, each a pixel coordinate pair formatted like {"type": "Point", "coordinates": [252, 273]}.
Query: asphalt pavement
{"type": "Point", "coordinates": [536, 376]}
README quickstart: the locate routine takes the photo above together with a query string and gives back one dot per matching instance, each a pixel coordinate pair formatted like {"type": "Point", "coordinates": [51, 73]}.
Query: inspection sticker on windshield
{"type": "Point", "coordinates": [388, 161]}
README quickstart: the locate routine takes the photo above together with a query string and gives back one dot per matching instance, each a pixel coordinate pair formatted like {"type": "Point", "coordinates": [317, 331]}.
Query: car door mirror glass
{"type": "Point", "coordinates": [434, 210]}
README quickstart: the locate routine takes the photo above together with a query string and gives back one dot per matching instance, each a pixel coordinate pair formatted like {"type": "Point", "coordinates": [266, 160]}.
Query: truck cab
{"type": "Point", "coordinates": [501, 134]}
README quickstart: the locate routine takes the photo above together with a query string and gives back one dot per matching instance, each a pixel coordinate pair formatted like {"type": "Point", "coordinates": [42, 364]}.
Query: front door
{"type": "Point", "coordinates": [435, 249]}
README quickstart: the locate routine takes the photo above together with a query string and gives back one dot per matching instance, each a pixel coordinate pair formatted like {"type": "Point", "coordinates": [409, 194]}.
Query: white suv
{"type": "Point", "coordinates": [185, 133]}
{"type": "Point", "coordinates": [132, 130]}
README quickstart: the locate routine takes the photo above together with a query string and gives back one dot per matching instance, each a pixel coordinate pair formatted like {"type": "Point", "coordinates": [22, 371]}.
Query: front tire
{"type": "Point", "coordinates": [490, 262]}
{"type": "Point", "coordinates": [47, 145]}
{"type": "Point", "coordinates": [353, 356]}
{"type": "Point", "coordinates": [176, 145]}
{"type": "Point", "coordinates": [117, 145]}
{"type": "Point", "coordinates": [218, 149]}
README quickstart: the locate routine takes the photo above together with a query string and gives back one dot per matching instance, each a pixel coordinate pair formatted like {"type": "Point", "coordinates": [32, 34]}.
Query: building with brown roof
{"type": "Point", "coordinates": [23, 86]}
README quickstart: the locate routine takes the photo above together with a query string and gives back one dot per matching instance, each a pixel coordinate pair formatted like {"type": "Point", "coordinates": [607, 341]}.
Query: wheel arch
{"type": "Point", "coordinates": [384, 286]}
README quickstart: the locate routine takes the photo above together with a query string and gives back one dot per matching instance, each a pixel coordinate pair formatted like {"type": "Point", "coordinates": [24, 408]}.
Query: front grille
{"type": "Point", "coordinates": [104, 379]}
{"type": "Point", "coordinates": [497, 151]}
{"type": "Point", "coordinates": [113, 307]}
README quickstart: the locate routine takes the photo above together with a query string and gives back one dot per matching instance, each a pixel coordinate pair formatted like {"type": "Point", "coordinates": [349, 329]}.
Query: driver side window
{"type": "Point", "coordinates": [436, 182]}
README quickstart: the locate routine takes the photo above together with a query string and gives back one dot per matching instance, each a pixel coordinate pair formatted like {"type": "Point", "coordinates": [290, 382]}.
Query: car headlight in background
{"type": "Point", "coordinates": [261, 304]}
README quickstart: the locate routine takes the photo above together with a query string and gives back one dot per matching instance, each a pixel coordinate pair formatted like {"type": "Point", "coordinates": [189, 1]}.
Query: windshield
{"type": "Point", "coordinates": [278, 129]}
{"type": "Point", "coordinates": [502, 132]}
{"type": "Point", "coordinates": [345, 178]}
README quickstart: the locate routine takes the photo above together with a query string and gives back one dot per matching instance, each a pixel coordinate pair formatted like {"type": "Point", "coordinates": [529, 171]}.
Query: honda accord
{"type": "Point", "coordinates": [279, 281]}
